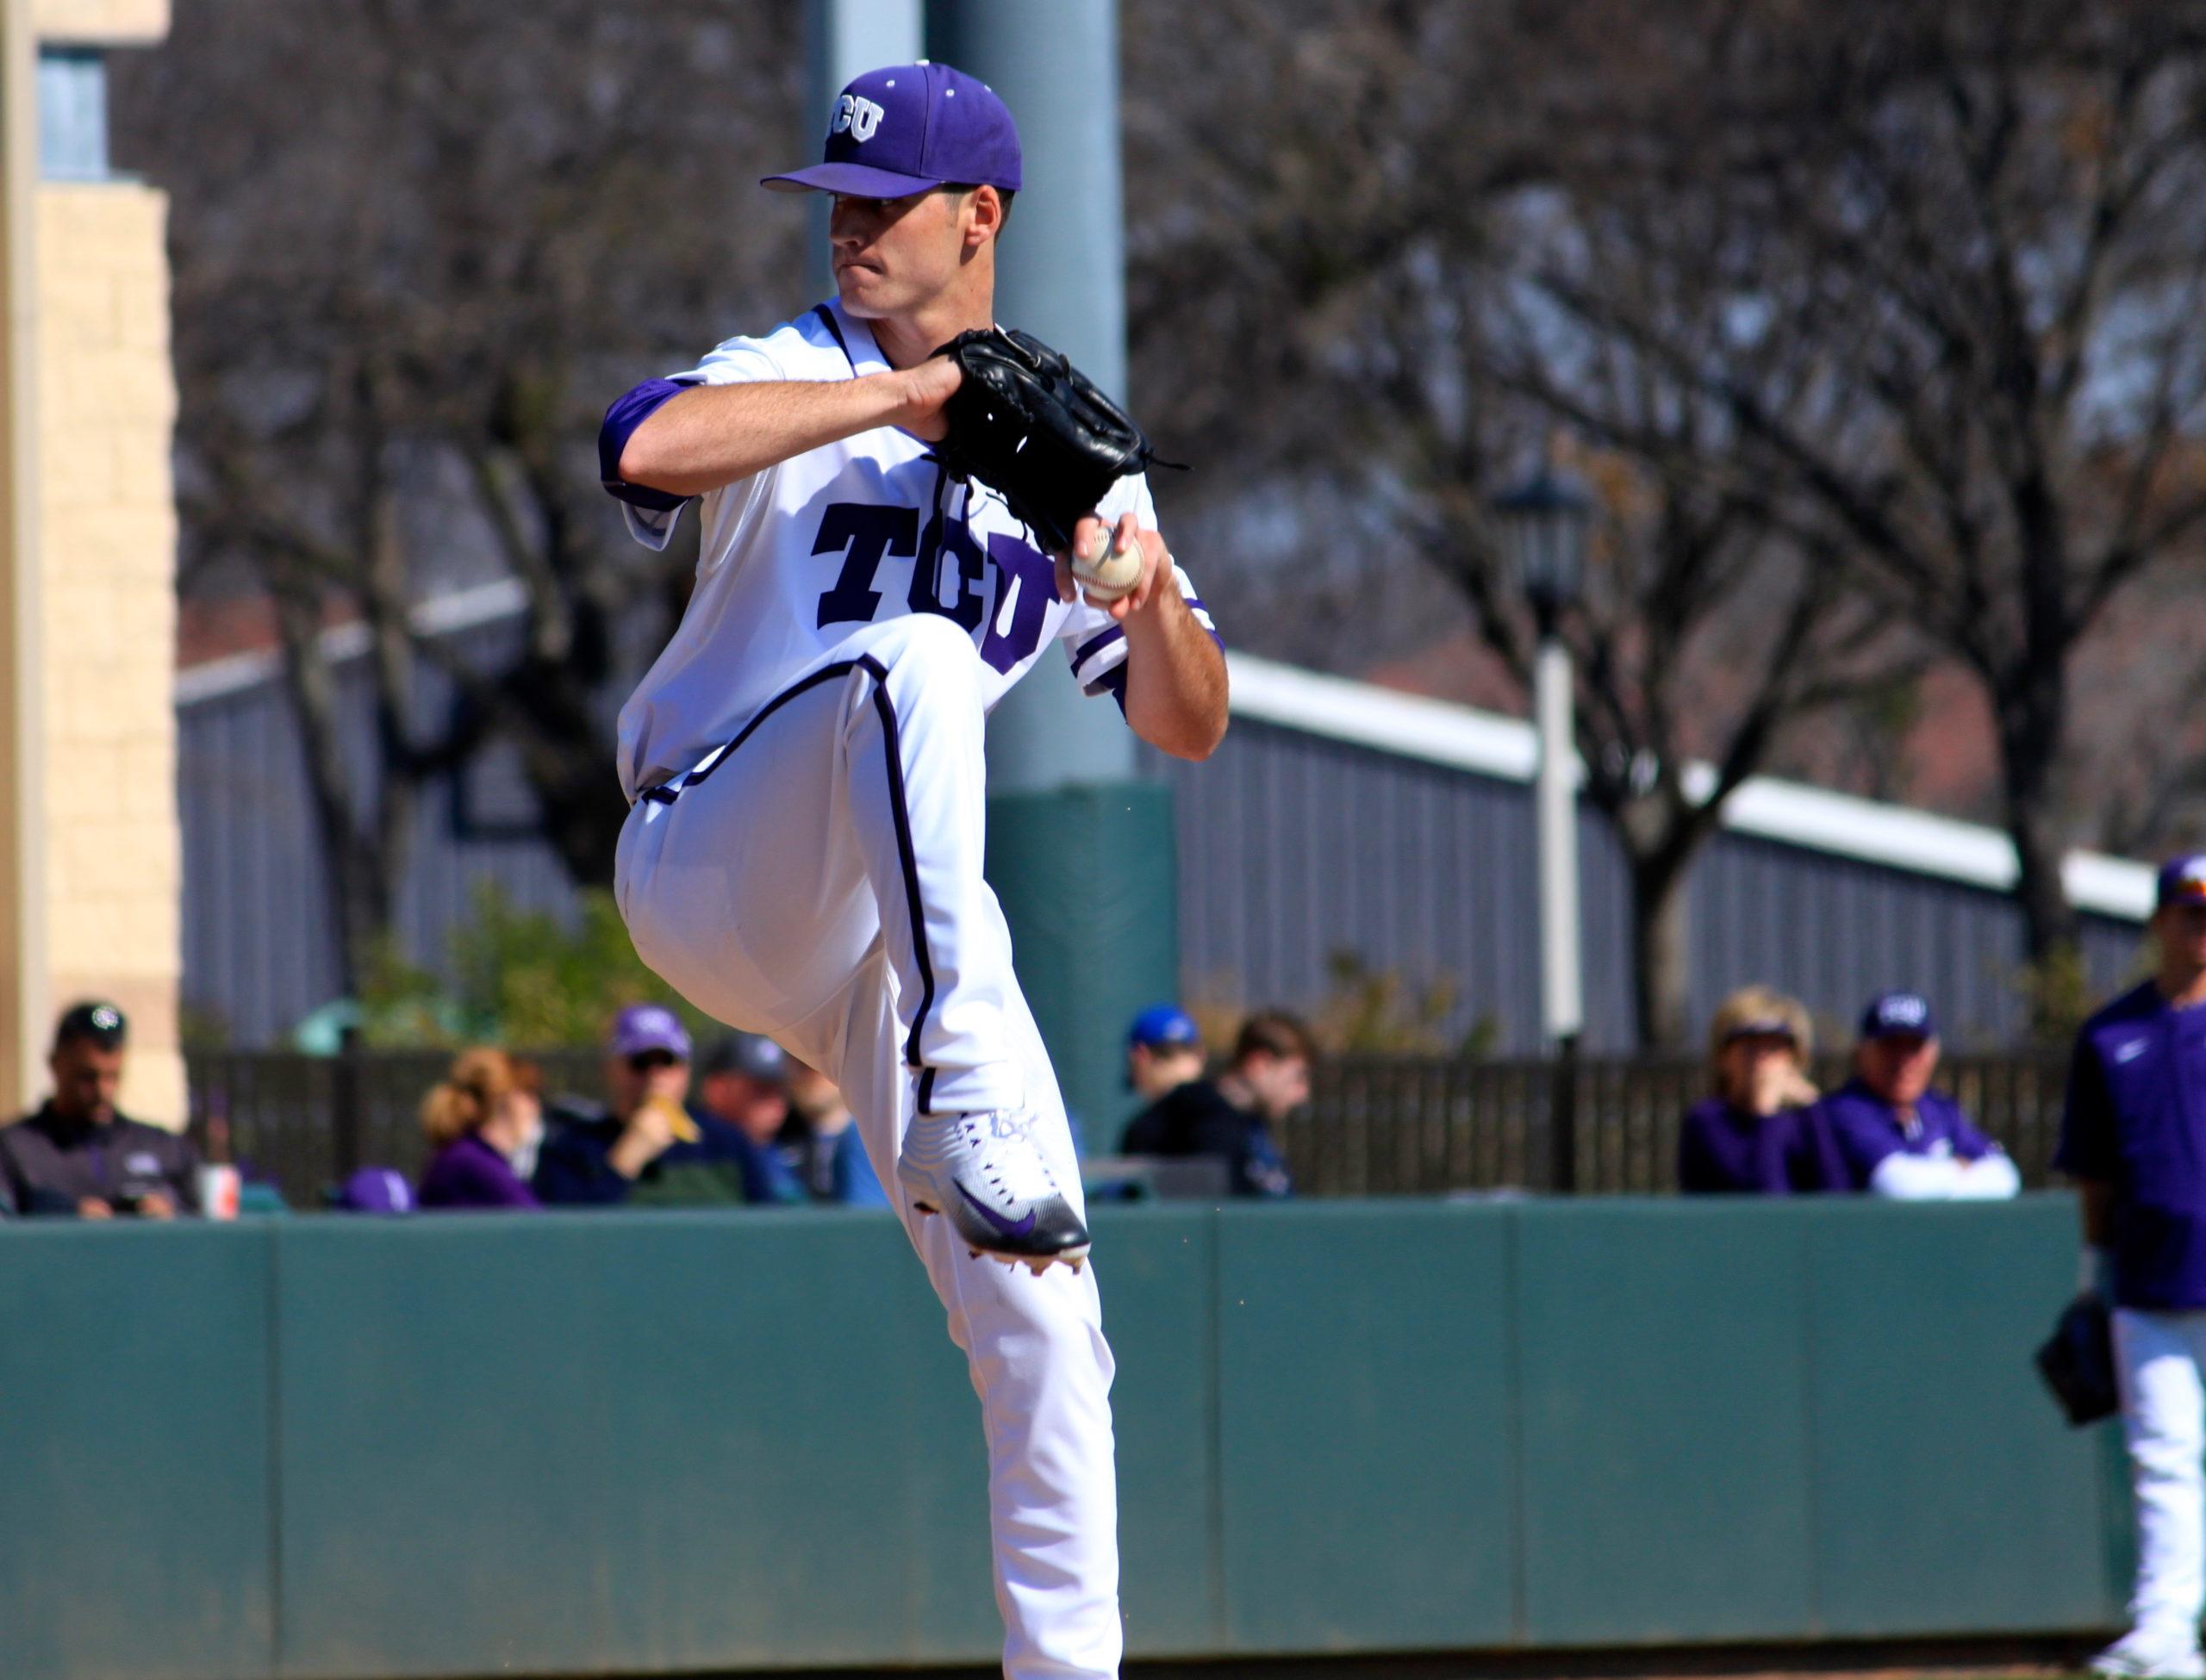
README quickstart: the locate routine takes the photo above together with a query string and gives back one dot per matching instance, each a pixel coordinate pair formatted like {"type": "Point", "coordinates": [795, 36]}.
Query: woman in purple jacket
{"type": "Point", "coordinates": [1753, 1136]}
{"type": "Point", "coordinates": [484, 1122]}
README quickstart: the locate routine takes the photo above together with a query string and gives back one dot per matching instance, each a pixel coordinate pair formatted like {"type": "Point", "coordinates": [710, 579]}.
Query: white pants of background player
{"type": "Point", "coordinates": [2159, 1356]}
{"type": "Point", "coordinates": [816, 883]}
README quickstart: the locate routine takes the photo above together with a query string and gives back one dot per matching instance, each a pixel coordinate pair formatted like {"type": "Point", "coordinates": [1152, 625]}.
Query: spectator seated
{"type": "Point", "coordinates": [822, 1146]}
{"type": "Point", "coordinates": [1892, 1134]}
{"type": "Point", "coordinates": [1233, 1116]}
{"type": "Point", "coordinates": [76, 1155]}
{"type": "Point", "coordinates": [1752, 1136]}
{"type": "Point", "coordinates": [642, 1147]}
{"type": "Point", "coordinates": [486, 1124]}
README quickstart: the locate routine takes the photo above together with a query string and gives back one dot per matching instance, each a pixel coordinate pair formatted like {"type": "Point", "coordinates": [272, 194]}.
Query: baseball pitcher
{"type": "Point", "coordinates": [902, 506]}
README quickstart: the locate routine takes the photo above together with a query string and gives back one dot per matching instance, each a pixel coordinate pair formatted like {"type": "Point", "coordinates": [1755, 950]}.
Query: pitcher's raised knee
{"type": "Point", "coordinates": [929, 649]}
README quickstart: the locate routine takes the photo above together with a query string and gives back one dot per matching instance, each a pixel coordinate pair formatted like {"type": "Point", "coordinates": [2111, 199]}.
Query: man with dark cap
{"type": "Point", "coordinates": [745, 1086]}
{"type": "Point", "coordinates": [2130, 1139]}
{"type": "Point", "coordinates": [76, 1154]}
{"type": "Point", "coordinates": [1892, 1134]}
{"type": "Point", "coordinates": [643, 1145]}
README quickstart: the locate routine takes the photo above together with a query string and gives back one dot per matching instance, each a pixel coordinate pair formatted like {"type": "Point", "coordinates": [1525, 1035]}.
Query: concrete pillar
{"type": "Point", "coordinates": [1060, 275]}
{"type": "Point", "coordinates": [842, 39]}
{"type": "Point", "coordinates": [23, 1002]}
{"type": "Point", "coordinates": [92, 871]}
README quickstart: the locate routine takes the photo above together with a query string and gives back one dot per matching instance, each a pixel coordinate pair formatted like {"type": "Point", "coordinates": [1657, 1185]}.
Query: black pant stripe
{"type": "Point", "coordinates": [908, 859]}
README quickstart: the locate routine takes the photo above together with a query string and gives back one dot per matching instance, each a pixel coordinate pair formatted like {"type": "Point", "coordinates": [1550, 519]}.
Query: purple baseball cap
{"type": "Point", "coordinates": [642, 1027]}
{"type": "Point", "coordinates": [1898, 1014]}
{"type": "Point", "coordinates": [2182, 881]}
{"type": "Point", "coordinates": [376, 1190]}
{"type": "Point", "coordinates": [909, 128]}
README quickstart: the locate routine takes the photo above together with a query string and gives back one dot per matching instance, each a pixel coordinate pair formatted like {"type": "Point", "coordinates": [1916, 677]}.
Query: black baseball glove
{"type": "Point", "coordinates": [1032, 427]}
{"type": "Point", "coordinates": [2078, 1362]}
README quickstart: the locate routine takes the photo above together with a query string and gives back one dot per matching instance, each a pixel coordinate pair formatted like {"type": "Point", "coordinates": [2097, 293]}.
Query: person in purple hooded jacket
{"type": "Point", "coordinates": [485, 1121]}
{"type": "Point", "coordinates": [1751, 1136]}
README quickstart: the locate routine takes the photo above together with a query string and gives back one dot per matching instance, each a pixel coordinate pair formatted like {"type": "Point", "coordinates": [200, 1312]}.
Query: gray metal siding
{"type": "Point", "coordinates": [1293, 848]}
{"type": "Point", "coordinates": [259, 941]}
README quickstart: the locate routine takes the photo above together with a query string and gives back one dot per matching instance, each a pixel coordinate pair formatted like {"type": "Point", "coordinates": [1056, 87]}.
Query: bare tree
{"type": "Point", "coordinates": [1978, 224]}
{"type": "Point", "coordinates": [1374, 346]}
{"type": "Point", "coordinates": [417, 248]}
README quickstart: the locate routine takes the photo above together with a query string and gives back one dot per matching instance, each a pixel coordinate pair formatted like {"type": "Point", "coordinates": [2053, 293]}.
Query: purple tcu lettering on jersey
{"type": "Point", "coordinates": [947, 537]}
{"type": "Point", "coordinates": [865, 534]}
{"type": "Point", "coordinates": [1029, 583]}
{"type": "Point", "coordinates": [862, 533]}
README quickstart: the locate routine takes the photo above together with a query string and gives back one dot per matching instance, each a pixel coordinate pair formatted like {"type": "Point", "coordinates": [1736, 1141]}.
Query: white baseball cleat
{"type": "Point", "coordinates": [984, 1174]}
{"type": "Point", "coordinates": [2147, 1653]}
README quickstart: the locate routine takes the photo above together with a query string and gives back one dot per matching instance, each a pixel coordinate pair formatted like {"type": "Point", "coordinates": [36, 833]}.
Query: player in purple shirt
{"type": "Point", "coordinates": [1749, 1137]}
{"type": "Point", "coordinates": [2135, 1140]}
{"type": "Point", "coordinates": [485, 1121]}
{"type": "Point", "coordinates": [1890, 1134]}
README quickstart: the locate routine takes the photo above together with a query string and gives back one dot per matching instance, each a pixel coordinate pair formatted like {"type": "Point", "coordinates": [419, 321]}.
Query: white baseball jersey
{"type": "Point", "coordinates": [796, 558]}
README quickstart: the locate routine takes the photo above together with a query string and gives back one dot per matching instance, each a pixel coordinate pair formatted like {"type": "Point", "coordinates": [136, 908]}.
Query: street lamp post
{"type": "Point", "coordinates": [1543, 524]}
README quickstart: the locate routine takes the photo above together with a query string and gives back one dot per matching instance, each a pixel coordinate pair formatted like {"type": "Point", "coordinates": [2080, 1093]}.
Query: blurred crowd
{"type": "Point", "coordinates": [1765, 1130]}
{"type": "Point", "coordinates": [745, 1125]}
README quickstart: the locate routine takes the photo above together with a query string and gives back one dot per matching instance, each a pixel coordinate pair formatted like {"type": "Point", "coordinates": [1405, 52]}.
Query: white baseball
{"type": "Point", "coordinates": [1112, 574]}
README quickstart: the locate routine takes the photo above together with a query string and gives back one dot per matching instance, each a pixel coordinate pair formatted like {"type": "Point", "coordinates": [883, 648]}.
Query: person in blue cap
{"type": "Point", "coordinates": [2131, 1138]}
{"type": "Point", "coordinates": [1890, 1133]}
{"type": "Point", "coordinates": [1232, 1117]}
{"type": "Point", "coordinates": [1164, 1049]}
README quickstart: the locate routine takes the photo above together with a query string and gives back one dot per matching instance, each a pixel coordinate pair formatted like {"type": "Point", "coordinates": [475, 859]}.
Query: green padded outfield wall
{"type": "Point", "coordinates": [665, 1443]}
{"type": "Point", "coordinates": [1087, 879]}
{"type": "Point", "coordinates": [136, 1514]}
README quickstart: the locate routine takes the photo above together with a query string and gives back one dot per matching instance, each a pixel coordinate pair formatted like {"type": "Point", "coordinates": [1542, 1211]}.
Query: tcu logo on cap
{"type": "Point", "coordinates": [860, 116]}
{"type": "Point", "coordinates": [1904, 1009]}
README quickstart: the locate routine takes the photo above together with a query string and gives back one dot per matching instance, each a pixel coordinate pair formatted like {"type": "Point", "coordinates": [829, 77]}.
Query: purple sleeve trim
{"type": "Point", "coordinates": [1095, 644]}
{"type": "Point", "coordinates": [621, 420]}
{"type": "Point", "coordinates": [1113, 683]}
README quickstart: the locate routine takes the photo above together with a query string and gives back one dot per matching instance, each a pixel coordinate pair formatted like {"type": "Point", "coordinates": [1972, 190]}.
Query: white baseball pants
{"type": "Point", "coordinates": [2159, 1356]}
{"type": "Point", "coordinates": [819, 881]}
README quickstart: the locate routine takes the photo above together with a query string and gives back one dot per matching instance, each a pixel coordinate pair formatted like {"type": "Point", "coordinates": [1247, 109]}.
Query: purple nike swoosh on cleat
{"type": "Point", "coordinates": [1023, 1227]}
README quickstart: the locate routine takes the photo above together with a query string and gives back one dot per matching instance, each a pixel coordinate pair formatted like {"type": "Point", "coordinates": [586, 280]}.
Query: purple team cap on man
{"type": "Point", "coordinates": [909, 128]}
{"type": "Point", "coordinates": [2182, 881]}
{"type": "Point", "coordinates": [642, 1027]}
{"type": "Point", "coordinates": [1898, 1014]}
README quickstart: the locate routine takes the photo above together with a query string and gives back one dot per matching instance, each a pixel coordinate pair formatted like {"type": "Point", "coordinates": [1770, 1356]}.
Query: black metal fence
{"type": "Point", "coordinates": [1375, 1125]}
{"type": "Point", "coordinates": [1398, 1125]}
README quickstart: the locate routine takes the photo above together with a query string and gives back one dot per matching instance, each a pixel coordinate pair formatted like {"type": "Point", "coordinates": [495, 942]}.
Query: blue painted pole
{"type": "Point", "coordinates": [1080, 847]}
{"type": "Point", "coordinates": [1060, 275]}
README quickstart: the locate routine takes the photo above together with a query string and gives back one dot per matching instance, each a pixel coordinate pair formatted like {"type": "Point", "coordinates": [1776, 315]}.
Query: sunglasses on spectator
{"type": "Point", "coordinates": [649, 1061]}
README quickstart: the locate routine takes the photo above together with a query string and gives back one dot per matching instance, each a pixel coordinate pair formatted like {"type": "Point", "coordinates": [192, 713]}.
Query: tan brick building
{"type": "Point", "coordinates": [90, 862]}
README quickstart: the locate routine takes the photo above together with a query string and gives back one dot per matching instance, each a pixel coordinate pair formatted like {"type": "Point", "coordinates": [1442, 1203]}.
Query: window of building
{"type": "Point", "coordinates": [73, 114]}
